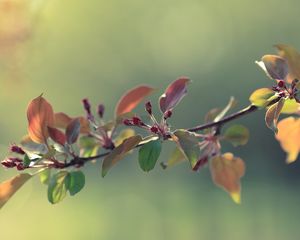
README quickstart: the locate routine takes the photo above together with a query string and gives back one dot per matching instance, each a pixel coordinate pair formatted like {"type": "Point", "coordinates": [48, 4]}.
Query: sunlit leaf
{"type": "Point", "coordinates": [274, 66]}
{"type": "Point", "coordinates": [226, 171]}
{"type": "Point", "coordinates": [119, 153]}
{"type": "Point", "coordinates": [32, 147]}
{"type": "Point", "coordinates": [76, 182]}
{"type": "Point", "coordinates": [40, 115]}
{"type": "Point", "coordinates": [132, 98]}
{"type": "Point", "coordinates": [62, 120]}
{"type": "Point", "coordinates": [288, 135]}
{"type": "Point", "coordinates": [148, 155]}
{"type": "Point", "coordinates": [273, 113]}
{"type": "Point", "coordinates": [173, 94]}
{"type": "Point", "coordinates": [57, 136]}
{"type": "Point", "coordinates": [188, 145]}
{"type": "Point", "coordinates": [73, 131]}
{"type": "Point", "coordinates": [237, 135]}
{"type": "Point", "coordinates": [292, 56]}
{"type": "Point", "coordinates": [290, 106]}
{"type": "Point", "coordinates": [9, 187]}
{"type": "Point", "coordinates": [88, 146]}
{"type": "Point", "coordinates": [58, 186]}
{"type": "Point", "coordinates": [124, 134]}
{"type": "Point", "coordinates": [45, 176]}
{"type": "Point", "coordinates": [261, 97]}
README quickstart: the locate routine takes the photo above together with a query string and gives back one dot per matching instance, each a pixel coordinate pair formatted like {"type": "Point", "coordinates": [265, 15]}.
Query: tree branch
{"type": "Point", "coordinates": [79, 161]}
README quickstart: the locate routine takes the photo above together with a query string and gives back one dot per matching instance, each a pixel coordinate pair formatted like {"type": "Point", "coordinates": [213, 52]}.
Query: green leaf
{"type": "Point", "coordinates": [119, 153]}
{"type": "Point", "coordinates": [290, 106]}
{"type": "Point", "coordinates": [26, 160]}
{"type": "Point", "coordinates": [45, 176]}
{"type": "Point", "coordinates": [261, 97]}
{"type": "Point", "coordinates": [58, 186]}
{"type": "Point", "coordinates": [188, 145]}
{"type": "Point", "coordinates": [88, 146]}
{"type": "Point", "coordinates": [272, 114]}
{"type": "Point", "coordinates": [176, 157]}
{"type": "Point", "coordinates": [237, 135]}
{"type": "Point", "coordinates": [11, 186]}
{"type": "Point", "coordinates": [76, 182]}
{"type": "Point", "coordinates": [148, 155]}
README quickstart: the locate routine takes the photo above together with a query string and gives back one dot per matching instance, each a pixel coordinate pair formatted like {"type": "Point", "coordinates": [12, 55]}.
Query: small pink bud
{"type": "Point", "coordinates": [167, 114]}
{"type": "Point", "coordinates": [101, 110]}
{"type": "Point", "coordinates": [127, 122]}
{"type": "Point", "coordinates": [20, 167]}
{"type": "Point", "coordinates": [281, 84]}
{"type": "Point", "coordinates": [86, 105]}
{"type": "Point", "coordinates": [154, 129]}
{"type": "Point", "coordinates": [136, 121]}
{"type": "Point", "coordinates": [16, 149]}
{"type": "Point", "coordinates": [148, 107]}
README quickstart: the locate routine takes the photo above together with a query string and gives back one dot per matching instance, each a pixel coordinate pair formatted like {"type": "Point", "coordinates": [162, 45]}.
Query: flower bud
{"type": "Point", "coordinates": [167, 114]}
{"type": "Point", "coordinates": [86, 105]}
{"type": "Point", "coordinates": [154, 129]}
{"type": "Point", "coordinates": [16, 149]}
{"type": "Point", "coordinates": [281, 84]}
{"type": "Point", "coordinates": [101, 110]}
{"type": "Point", "coordinates": [148, 107]}
{"type": "Point", "coordinates": [136, 121]}
{"type": "Point", "coordinates": [127, 122]}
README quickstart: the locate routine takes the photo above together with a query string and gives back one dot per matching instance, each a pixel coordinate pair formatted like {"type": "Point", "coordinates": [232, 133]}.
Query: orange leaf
{"type": "Point", "coordinates": [62, 120]}
{"type": "Point", "coordinates": [132, 98]}
{"type": "Point", "coordinates": [9, 187]}
{"type": "Point", "coordinates": [288, 136]}
{"type": "Point", "coordinates": [40, 115]}
{"type": "Point", "coordinates": [226, 171]}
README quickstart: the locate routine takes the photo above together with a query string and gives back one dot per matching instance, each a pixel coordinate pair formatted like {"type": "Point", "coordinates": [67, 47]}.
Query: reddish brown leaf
{"type": "Point", "coordinates": [62, 120]}
{"type": "Point", "coordinates": [226, 171]}
{"type": "Point", "coordinates": [173, 94]}
{"type": "Point", "coordinates": [9, 187]}
{"type": "Point", "coordinates": [57, 136]}
{"type": "Point", "coordinates": [119, 153]}
{"type": "Point", "coordinates": [40, 115]}
{"type": "Point", "coordinates": [288, 136]}
{"type": "Point", "coordinates": [73, 131]}
{"type": "Point", "coordinates": [132, 98]}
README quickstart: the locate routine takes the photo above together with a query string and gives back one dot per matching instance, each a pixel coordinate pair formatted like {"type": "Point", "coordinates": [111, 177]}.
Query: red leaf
{"type": "Point", "coordinates": [73, 130]}
{"type": "Point", "coordinates": [40, 115]}
{"type": "Point", "coordinates": [57, 136]}
{"type": "Point", "coordinates": [173, 94]}
{"type": "Point", "coordinates": [132, 98]}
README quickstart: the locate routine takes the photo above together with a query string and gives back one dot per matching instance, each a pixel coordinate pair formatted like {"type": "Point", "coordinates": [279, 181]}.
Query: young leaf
{"type": "Point", "coordinates": [173, 94]}
{"type": "Point", "coordinates": [76, 182]}
{"type": "Point", "coordinates": [261, 96]}
{"type": "Point", "coordinates": [290, 106]}
{"type": "Point", "coordinates": [58, 186]}
{"type": "Point", "coordinates": [124, 134]}
{"type": "Point", "coordinates": [40, 115]}
{"type": "Point", "coordinates": [45, 176]}
{"type": "Point", "coordinates": [176, 157]}
{"type": "Point", "coordinates": [132, 98]}
{"type": "Point", "coordinates": [237, 135]}
{"type": "Point", "coordinates": [273, 113]}
{"type": "Point", "coordinates": [188, 145]}
{"type": "Point", "coordinates": [288, 136]}
{"type": "Point", "coordinates": [73, 131]}
{"type": "Point", "coordinates": [62, 120]}
{"type": "Point", "coordinates": [226, 171]}
{"type": "Point", "coordinates": [119, 153]}
{"type": "Point", "coordinates": [57, 136]}
{"type": "Point", "coordinates": [291, 55]}
{"type": "Point", "coordinates": [9, 187]}
{"type": "Point", "coordinates": [148, 155]}
{"type": "Point", "coordinates": [26, 161]}
{"type": "Point", "coordinates": [274, 66]}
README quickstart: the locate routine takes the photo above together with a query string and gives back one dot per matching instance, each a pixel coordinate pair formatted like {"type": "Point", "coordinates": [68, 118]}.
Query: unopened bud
{"type": "Point", "coordinates": [136, 121]}
{"type": "Point", "coordinates": [20, 167]}
{"type": "Point", "coordinates": [86, 105]}
{"type": "Point", "coordinates": [127, 122]}
{"type": "Point", "coordinates": [16, 149]}
{"type": "Point", "coordinates": [154, 129]}
{"type": "Point", "coordinates": [167, 114]}
{"type": "Point", "coordinates": [101, 110]}
{"type": "Point", "coordinates": [281, 84]}
{"type": "Point", "coordinates": [148, 107]}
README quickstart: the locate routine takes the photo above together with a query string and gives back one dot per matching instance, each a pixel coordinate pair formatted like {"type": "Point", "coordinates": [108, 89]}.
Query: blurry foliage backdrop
{"type": "Point", "coordinates": [72, 49]}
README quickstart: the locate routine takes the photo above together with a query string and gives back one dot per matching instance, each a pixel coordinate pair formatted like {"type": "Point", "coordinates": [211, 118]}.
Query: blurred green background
{"type": "Point", "coordinates": [98, 49]}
